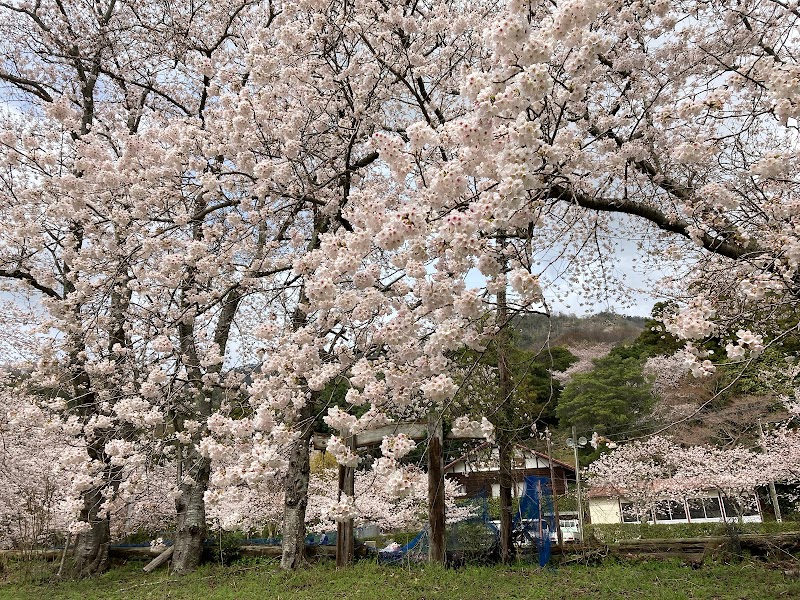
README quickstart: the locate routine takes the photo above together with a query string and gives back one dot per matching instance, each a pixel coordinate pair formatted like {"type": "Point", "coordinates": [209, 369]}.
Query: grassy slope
{"type": "Point", "coordinates": [656, 580]}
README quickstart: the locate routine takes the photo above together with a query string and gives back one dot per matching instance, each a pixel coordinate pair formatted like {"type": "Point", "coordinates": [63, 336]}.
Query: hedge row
{"type": "Point", "coordinates": [631, 531]}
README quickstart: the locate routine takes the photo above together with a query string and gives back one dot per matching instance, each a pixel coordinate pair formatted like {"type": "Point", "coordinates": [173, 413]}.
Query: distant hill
{"type": "Point", "coordinates": [569, 330]}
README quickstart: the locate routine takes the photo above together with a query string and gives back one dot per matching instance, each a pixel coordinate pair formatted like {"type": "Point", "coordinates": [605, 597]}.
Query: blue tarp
{"type": "Point", "coordinates": [535, 520]}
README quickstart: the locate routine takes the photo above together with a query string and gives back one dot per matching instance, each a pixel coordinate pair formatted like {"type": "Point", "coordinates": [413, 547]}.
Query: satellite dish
{"type": "Point", "coordinates": [570, 443]}
{"type": "Point", "coordinates": [582, 441]}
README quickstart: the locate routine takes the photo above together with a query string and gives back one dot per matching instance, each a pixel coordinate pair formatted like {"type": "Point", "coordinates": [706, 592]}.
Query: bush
{"type": "Point", "coordinates": [493, 506]}
{"type": "Point", "coordinates": [473, 541]}
{"type": "Point", "coordinates": [226, 547]}
{"type": "Point", "coordinates": [608, 534]}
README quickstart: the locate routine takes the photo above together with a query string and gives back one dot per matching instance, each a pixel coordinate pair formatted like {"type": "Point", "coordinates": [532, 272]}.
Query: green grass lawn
{"type": "Point", "coordinates": [658, 580]}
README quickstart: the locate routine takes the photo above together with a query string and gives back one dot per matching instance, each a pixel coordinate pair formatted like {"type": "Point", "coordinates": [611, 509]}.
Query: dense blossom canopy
{"type": "Point", "coordinates": [346, 192]}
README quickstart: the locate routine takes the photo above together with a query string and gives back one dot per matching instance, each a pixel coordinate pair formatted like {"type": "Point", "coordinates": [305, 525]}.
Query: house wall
{"type": "Point", "coordinates": [474, 483]}
{"type": "Point", "coordinates": [604, 510]}
{"type": "Point", "coordinates": [534, 462]}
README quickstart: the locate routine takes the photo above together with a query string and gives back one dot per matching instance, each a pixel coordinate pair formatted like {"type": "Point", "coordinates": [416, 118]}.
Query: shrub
{"type": "Point", "coordinates": [616, 532]}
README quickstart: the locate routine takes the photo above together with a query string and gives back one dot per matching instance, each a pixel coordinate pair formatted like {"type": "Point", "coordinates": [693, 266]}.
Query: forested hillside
{"type": "Point", "coordinates": [627, 382]}
{"type": "Point", "coordinates": [571, 331]}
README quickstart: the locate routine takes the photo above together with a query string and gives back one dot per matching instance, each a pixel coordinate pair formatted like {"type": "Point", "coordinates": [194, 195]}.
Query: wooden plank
{"type": "Point", "coordinates": [64, 555]}
{"type": "Point", "coordinates": [275, 551]}
{"type": "Point", "coordinates": [754, 537]}
{"type": "Point", "coordinates": [133, 552]}
{"type": "Point", "coordinates": [373, 437]}
{"type": "Point", "coordinates": [145, 552]}
{"type": "Point", "coordinates": [52, 554]}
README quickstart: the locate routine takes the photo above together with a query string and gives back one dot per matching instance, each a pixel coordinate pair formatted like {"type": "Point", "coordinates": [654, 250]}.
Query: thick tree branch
{"type": "Point", "coordinates": [30, 280]}
{"type": "Point", "coordinates": [659, 219]}
{"type": "Point", "coordinates": [27, 85]}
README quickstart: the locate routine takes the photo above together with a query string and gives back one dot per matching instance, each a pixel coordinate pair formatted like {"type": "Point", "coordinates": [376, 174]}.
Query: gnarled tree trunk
{"type": "Point", "coordinates": [296, 499]}
{"type": "Point", "coordinates": [190, 531]}
{"type": "Point", "coordinates": [90, 553]}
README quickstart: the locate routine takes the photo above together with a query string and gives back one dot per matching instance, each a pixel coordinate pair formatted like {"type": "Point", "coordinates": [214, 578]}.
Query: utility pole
{"type": "Point", "coordinates": [553, 487]}
{"type": "Point", "coordinates": [772, 493]}
{"type": "Point", "coordinates": [578, 482]}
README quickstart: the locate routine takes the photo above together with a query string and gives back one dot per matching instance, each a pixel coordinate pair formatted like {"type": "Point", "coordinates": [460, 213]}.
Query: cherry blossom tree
{"type": "Point", "coordinates": [379, 499]}
{"type": "Point", "coordinates": [45, 469]}
{"type": "Point", "coordinates": [109, 147]}
{"type": "Point", "coordinates": [780, 454]}
{"type": "Point", "coordinates": [638, 122]}
{"type": "Point", "coordinates": [53, 218]}
{"type": "Point", "coordinates": [311, 183]}
{"type": "Point", "coordinates": [33, 501]}
{"type": "Point", "coordinates": [650, 472]}
{"type": "Point", "coordinates": [586, 355]}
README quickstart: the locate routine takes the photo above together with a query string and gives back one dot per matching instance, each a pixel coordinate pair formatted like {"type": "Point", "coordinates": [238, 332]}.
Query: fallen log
{"type": "Point", "coordinates": [134, 552]}
{"type": "Point", "coordinates": [159, 560]}
{"type": "Point", "coordinates": [49, 554]}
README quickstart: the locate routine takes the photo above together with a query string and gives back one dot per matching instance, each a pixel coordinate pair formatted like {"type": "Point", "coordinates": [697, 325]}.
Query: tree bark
{"type": "Point", "coordinates": [191, 509]}
{"type": "Point", "coordinates": [436, 505]}
{"type": "Point", "coordinates": [90, 554]}
{"type": "Point", "coordinates": [299, 468]}
{"type": "Point", "coordinates": [190, 531]}
{"type": "Point", "coordinates": [296, 498]}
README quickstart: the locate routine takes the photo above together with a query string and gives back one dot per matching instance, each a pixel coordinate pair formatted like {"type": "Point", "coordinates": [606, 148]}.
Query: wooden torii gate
{"type": "Point", "coordinates": [433, 432]}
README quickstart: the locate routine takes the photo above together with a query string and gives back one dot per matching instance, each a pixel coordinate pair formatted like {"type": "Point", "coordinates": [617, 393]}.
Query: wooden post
{"type": "Point", "coordinates": [64, 554]}
{"type": "Point", "coordinates": [436, 509]}
{"type": "Point", "coordinates": [506, 482]}
{"type": "Point", "coordinates": [505, 392]}
{"type": "Point", "coordinates": [345, 541]}
{"type": "Point", "coordinates": [773, 495]}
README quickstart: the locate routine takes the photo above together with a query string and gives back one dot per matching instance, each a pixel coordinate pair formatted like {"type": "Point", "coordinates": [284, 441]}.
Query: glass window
{"type": "Point", "coordinates": [732, 509]}
{"type": "Point", "coordinates": [747, 506]}
{"type": "Point", "coordinates": [662, 512]}
{"type": "Point", "coordinates": [630, 514]}
{"type": "Point", "coordinates": [670, 510]}
{"type": "Point", "coordinates": [713, 508]}
{"type": "Point", "coordinates": [750, 507]}
{"type": "Point", "coordinates": [696, 510]}
{"type": "Point", "coordinates": [569, 523]}
{"type": "Point", "coordinates": [678, 510]}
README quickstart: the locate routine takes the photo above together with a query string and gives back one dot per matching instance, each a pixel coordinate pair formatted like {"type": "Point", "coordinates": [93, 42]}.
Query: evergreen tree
{"type": "Point", "coordinates": [608, 399]}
